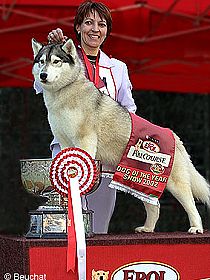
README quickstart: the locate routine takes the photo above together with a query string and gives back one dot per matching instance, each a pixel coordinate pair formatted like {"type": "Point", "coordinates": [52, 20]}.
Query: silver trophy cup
{"type": "Point", "coordinates": [50, 220]}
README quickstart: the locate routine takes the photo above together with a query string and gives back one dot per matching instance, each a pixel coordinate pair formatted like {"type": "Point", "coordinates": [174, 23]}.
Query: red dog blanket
{"type": "Point", "coordinates": [147, 161]}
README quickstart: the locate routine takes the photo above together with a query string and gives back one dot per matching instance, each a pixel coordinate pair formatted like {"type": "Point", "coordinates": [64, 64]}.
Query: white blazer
{"type": "Point", "coordinates": [118, 83]}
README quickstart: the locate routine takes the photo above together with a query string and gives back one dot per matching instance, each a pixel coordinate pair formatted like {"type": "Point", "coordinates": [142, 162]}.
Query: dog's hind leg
{"type": "Point", "coordinates": [151, 219]}
{"type": "Point", "coordinates": [182, 192]}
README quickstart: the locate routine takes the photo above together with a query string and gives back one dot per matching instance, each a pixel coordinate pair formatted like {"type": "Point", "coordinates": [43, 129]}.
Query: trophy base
{"type": "Point", "coordinates": [30, 235]}
{"type": "Point", "coordinates": [51, 223]}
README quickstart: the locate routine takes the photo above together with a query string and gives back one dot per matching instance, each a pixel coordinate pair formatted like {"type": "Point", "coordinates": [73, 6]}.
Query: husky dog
{"type": "Point", "coordinates": [81, 116]}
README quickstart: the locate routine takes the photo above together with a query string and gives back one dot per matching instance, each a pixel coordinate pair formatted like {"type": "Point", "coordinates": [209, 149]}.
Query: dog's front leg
{"type": "Point", "coordinates": [151, 220]}
{"type": "Point", "coordinates": [89, 144]}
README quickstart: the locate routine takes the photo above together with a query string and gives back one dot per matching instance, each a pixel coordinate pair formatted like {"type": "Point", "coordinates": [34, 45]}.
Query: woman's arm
{"type": "Point", "coordinates": [125, 97]}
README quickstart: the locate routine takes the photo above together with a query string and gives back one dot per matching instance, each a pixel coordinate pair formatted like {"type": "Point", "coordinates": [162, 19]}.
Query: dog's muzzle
{"type": "Point", "coordinates": [43, 77]}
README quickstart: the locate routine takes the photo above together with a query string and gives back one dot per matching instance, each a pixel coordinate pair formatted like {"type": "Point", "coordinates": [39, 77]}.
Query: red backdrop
{"type": "Point", "coordinates": [165, 43]}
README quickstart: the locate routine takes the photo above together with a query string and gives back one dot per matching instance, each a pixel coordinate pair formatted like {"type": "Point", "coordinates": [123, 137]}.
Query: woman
{"type": "Point", "coordinates": [93, 24]}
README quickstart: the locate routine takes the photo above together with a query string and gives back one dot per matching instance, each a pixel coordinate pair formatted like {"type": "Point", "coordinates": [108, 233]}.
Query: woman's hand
{"type": "Point", "coordinates": [56, 36]}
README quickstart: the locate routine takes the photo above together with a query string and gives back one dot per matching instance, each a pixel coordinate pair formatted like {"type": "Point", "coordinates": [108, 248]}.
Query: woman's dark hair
{"type": "Point", "coordinates": [88, 7]}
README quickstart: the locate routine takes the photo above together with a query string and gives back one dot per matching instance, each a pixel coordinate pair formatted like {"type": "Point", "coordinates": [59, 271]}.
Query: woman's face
{"type": "Point", "coordinates": [93, 32]}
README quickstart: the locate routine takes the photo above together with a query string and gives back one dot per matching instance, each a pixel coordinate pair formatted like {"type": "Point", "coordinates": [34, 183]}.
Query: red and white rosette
{"type": "Point", "coordinates": [73, 173]}
{"type": "Point", "coordinates": [69, 163]}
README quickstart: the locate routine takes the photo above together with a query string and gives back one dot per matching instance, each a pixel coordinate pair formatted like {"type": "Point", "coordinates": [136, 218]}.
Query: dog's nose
{"type": "Point", "coordinates": [101, 278]}
{"type": "Point", "coordinates": [43, 76]}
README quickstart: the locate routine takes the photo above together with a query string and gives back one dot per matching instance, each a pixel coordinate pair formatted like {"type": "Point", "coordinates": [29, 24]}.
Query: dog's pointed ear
{"type": "Point", "coordinates": [70, 48]}
{"type": "Point", "coordinates": [93, 273]}
{"type": "Point", "coordinates": [36, 46]}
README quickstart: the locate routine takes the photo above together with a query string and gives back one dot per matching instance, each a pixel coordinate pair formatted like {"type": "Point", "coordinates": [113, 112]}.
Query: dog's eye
{"type": "Point", "coordinates": [41, 61]}
{"type": "Point", "coordinates": [56, 61]}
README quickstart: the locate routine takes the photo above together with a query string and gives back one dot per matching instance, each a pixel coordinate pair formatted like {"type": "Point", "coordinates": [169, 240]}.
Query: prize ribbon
{"type": "Point", "coordinates": [69, 163]}
{"type": "Point", "coordinates": [73, 173]}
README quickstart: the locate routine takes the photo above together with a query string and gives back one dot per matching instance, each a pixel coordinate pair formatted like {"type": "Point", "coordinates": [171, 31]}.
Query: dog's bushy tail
{"type": "Point", "coordinates": [199, 185]}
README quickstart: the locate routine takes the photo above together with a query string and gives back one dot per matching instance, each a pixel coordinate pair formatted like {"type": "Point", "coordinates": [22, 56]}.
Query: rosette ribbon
{"type": "Point", "coordinates": [73, 173]}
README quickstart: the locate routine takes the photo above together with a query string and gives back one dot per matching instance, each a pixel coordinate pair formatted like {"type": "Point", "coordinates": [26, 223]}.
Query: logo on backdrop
{"type": "Point", "coordinates": [146, 271]}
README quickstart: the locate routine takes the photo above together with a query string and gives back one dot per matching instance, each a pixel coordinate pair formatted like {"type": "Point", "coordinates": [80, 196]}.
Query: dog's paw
{"type": "Point", "coordinates": [143, 229]}
{"type": "Point", "coordinates": [195, 230]}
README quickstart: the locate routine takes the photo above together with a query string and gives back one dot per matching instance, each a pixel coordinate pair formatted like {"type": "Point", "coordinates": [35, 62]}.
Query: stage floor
{"type": "Point", "coordinates": [186, 256]}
